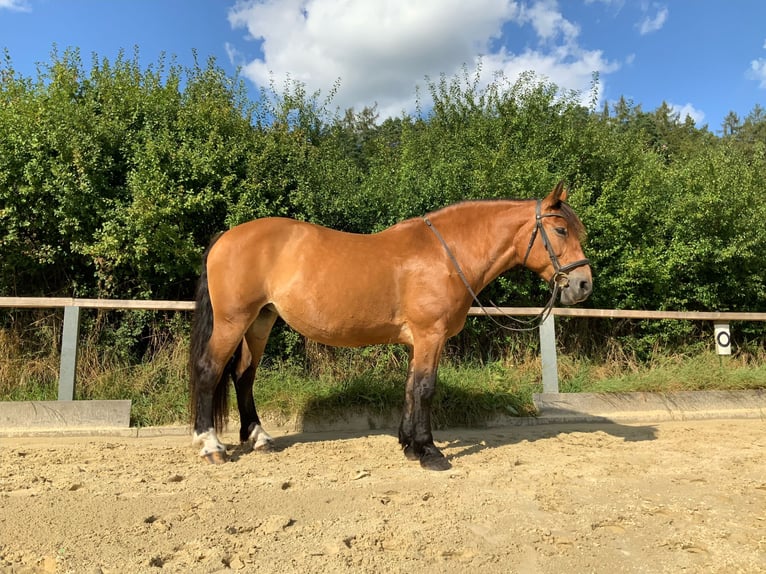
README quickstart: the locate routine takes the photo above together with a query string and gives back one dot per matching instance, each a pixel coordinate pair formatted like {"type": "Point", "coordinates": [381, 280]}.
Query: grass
{"type": "Point", "coordinates": [705, 371]}
{"type": "Point", "coordinates": [466, 396]}
{"type": "Point", "coordinates": [329, 382]}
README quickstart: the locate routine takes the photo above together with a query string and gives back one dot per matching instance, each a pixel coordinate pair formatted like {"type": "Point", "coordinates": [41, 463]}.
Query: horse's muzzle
{"type": "Point", "coordinates": [578, 286]}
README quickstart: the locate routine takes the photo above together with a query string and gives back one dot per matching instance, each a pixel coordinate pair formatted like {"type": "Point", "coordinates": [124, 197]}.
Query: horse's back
{"type": "Point", "coordinates": [290, 245]}
{"type": "Point", "coordinates": [332, 286]}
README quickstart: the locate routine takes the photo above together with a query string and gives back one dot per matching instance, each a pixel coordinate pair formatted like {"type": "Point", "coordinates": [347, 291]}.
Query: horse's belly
{"type": "Point", "coordinates": [346, 328]}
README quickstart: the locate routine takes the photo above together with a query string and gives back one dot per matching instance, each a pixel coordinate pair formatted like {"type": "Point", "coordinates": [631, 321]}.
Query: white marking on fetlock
{"type": "Point", "coordinates": [209, 441]}
{"type": "Point", "coordinates": [260, 438]}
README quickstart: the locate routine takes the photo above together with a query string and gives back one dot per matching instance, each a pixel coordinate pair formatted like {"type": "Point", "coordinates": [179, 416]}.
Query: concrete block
{"type": "Point", "coordinates": [40, 415]}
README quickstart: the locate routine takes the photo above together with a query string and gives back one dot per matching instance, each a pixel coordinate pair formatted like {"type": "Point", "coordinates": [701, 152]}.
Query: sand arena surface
{"type": "Point", "coordinates": [661, 497]}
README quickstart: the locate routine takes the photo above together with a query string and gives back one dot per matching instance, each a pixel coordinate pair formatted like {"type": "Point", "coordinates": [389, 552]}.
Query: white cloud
{"type": "Point", "coordinates": [688, 110]}
{"type": "Point", "coordinates": [16, 5]}
{"type": "Point", "coordinates": [381, 51]}
{"type": "Point", "coordinates": [652, 24]}
{"type": "Point", "coordinates": [232, 53]}
{"type": "Point", "coordinates": [547, 21]}
{"type": "Point", "coordinates": [757, 71]}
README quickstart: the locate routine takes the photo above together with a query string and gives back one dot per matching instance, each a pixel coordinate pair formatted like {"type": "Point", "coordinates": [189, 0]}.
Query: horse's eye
{"type": "Point", "coordinates": [561, 231]}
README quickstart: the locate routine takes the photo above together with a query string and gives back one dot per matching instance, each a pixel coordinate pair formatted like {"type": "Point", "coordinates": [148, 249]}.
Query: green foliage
{"type": "Point", "coordinates": [113, 178]}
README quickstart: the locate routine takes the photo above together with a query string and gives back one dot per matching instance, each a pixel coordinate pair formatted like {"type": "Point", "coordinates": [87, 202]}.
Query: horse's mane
{"type": "Point", "coordinates": [575, 225]}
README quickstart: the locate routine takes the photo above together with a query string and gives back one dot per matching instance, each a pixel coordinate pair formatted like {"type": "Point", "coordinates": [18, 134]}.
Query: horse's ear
{"type": "Point", "coordinates": [556, 196]}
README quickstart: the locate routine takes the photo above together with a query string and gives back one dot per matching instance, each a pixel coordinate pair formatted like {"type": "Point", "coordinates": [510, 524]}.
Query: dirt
{"type": "Point", "coordinates": [665, 497]}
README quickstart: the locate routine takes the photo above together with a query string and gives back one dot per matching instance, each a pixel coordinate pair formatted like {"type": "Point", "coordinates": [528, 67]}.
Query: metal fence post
{"type": "Point", "coordinates": [548, 355]}
{"type": "Point", "coordinates": [68, 366]}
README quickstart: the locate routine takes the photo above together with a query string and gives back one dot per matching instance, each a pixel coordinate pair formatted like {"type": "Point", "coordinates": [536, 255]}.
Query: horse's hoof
{"type": "Point", "coordinates": [265, 446]}
{"type": "Point", "coordinates": [435, 462]}
{"type": "Point", "coordinates": [409, 452]}
{"type": "Point", "coordinates": [215, 457]}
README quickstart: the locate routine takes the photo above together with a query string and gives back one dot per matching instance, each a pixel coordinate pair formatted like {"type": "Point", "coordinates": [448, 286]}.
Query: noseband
{"type": "Point", "coordinates": [559, 280]}
{"type": "Point", "coordinates": [560, 272]}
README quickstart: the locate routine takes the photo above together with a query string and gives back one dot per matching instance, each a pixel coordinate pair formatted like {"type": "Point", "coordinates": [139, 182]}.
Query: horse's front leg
{"type": "Point", "coordinates": [415, 429]}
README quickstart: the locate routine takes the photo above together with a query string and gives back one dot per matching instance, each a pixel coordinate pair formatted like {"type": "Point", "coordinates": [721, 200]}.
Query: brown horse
{"type": "Point", "coordinates": [411, 284]}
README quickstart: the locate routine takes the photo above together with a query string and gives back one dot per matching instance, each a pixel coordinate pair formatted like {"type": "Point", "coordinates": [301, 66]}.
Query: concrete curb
{"type": "Point", "coordinates": [42, 415]}
{"type": "Point", "coordinates": [651, 407]}
{"type": "Point", "coordinates": [129, 432]}
{"type": "Point", "coordinates": [553, 408]}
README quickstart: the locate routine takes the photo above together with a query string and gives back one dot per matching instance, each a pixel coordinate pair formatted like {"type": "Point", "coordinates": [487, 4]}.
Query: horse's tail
{"type": "Point", "coordinates": [202, 328]}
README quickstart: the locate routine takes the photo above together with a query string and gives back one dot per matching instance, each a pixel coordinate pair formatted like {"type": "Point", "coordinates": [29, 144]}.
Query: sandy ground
{"type": "Point", "coordinates": [666, 497]}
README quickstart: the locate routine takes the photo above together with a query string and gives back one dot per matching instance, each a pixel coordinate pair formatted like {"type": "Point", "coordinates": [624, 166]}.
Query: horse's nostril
{"type": "Point", "coordinates": [585, 286]}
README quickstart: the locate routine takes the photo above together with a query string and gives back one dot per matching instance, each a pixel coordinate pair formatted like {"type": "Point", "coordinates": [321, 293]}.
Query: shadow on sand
{"type": "Point", "coordinates": [458, 441]}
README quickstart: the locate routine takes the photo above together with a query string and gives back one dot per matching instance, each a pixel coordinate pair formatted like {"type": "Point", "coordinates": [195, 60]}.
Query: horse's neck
{"type": "Point", "coordinates": [485, 237]}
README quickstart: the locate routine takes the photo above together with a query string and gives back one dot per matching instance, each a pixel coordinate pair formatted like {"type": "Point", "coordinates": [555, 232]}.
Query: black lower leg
{"type": "Point", "coordinates": [406, 428]}
{"type": "Point", "coordinates": [248, 416]}
{"type": "Point", "coordinates": [203, 394]}
{"type": "Point", "coordinates": [406, 437]}
{"type": "Point", "coordinates": [203, 421]}
{"type": "Point", "coordinates": [415, 429]}
{"type": "Point", "coordinates": [430, 456]}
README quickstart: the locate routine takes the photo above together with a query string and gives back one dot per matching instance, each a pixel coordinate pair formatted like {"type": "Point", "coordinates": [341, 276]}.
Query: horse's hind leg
{"type": "Point", "coordinates": [209, 394]}
{"type": "Point", "coordinates": [256, 337]}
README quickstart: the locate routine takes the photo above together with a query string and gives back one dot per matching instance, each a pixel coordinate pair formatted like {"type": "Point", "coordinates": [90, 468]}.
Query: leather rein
{"type": "Point", "coordinates": [558, 281]}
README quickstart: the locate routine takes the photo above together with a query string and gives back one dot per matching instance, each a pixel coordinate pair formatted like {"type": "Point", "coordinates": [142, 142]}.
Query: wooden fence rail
{"type": "Point", "coordinates": [547, 331]}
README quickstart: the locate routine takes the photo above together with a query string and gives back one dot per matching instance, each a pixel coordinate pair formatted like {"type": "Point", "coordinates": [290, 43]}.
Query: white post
{"type": "Point", "coordinates": [68, 364]}
{"type": "Point", "coordinates": [548, 355]}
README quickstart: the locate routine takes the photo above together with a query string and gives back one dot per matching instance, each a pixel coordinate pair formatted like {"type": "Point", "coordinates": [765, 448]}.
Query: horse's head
{"type": "Point", "coordinates": [554, 250]}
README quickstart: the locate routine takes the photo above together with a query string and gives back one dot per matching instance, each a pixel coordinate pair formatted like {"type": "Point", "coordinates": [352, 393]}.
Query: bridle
{"type": "Point", "coordinates": [560, 275]}
{"type": "Point", "coordinates": [559, 280]}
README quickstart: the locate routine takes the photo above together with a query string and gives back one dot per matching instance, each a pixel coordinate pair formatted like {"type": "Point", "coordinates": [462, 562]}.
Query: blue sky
{"type": "Point", "coordinates": [703, 57]}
